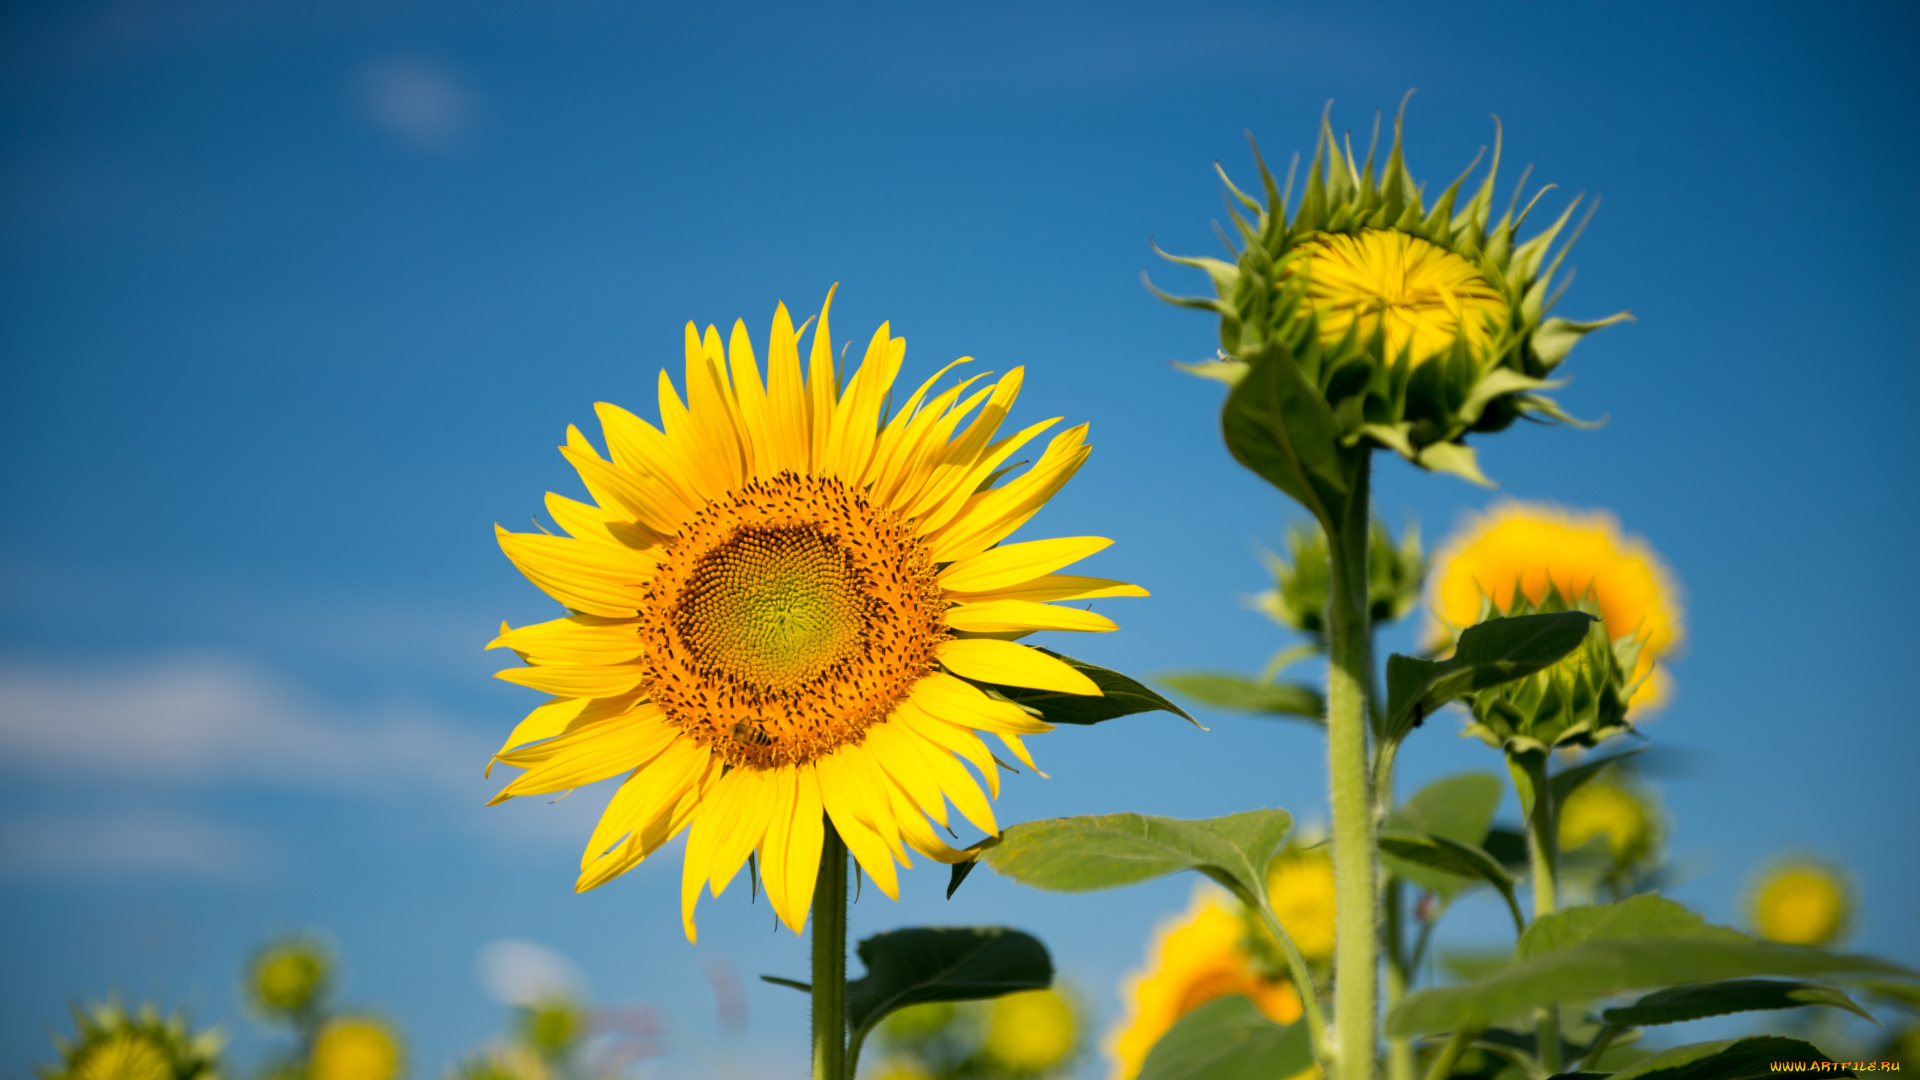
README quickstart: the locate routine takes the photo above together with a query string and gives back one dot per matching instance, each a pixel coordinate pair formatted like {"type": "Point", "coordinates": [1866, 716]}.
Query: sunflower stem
{"type": "Point", "coordinates": [1399, 1048]}
{"type": "Point", "coordinates": [830, 960]}
{"type": "Point", "coordinates": [1349, 674]}
{"type": "Point", "coordinates": [1543, 852]}
{"type": "Point", "coordinates": [1302, 983]}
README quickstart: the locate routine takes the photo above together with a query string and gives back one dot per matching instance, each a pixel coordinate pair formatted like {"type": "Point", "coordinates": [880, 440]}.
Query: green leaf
{"type": "Point", "coordinates": [796, 984]}
{"type": "Point", "coordinates": [1570, 781]}
{"type": "Point", "coordinates": [1104, 851]}
{"type": "Point", "coordinates": [1123, 696]}
{"type": "Point", "coordinates": [1605, 966]}
{"type": "Point", "coordinates": [1455, 858]}
{"type": "Point", "coordinates": [1729, 1059]}
{"type": "Point", "coordinates": [1507, 845]}
{"type": "Point", "coordinates": [1228, 1038]}
{"type": "Point", "coordinates": [922, 964]}
{"type": "Point", "coordinates": [1457, 807]}
{"type": "Point", "coordinates": [1494, 652]}
{"type": "Point", "coordinates": [1278, 425]}
{"type": "Point", "coordinates": [1683, 1003]}
{"type": "Point", "coordinates": [1229, 691]}
{"type": "Point", "coordinates": [1634, 917]}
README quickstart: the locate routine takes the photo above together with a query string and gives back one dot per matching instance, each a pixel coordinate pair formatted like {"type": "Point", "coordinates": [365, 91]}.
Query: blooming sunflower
{"type": "Point", "coordinates": [1530, 548]}
{"type": "Point", "coordinates": [1418, 322]}
{"type": "Point", "coordinates": [777, 602]}
{"type": "Point", "coordinates": [1030, 1032]}
{"type": "Point", "coordinates": [355, 1048]}
{"type": "Point", "coordinates": [1195, 958]}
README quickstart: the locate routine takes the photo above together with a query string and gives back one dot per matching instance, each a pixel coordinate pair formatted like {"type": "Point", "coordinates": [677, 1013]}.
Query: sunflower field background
{"type": "Point", "coordinates": [298, 301]}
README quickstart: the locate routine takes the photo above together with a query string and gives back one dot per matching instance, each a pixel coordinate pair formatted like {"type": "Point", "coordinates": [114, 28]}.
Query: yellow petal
{"type": "Point", "coordinates": [866, 845]}
{"type": "Point", "coordinates": [946, 698]}
{"type": "Point", "coordinates": [588, 755]}
{"type": "Point", "coordinates": [822, 384]}
{"type": "Point", "coordinates": [920, 836]}
{"type": "Point", "coordinates": [792, 440]}
{"type": "Point", "coordinates": [595, 578]}
{"type": "Point", "coordinates": [773, 845]}
{"type": "Point", "coordinates": [652, 790]}
{"type": "Point", "coordinates": [915, 764]}
{"type": "Point", "coordinates": [896, 749]}
{"type": "Point", "coordinates": [991, 515]}
{"type": "Point", "coordinates": [952, 737]}
{"type": "Point", "coordinates": [629, 492]}
{"type": "Point", "coordinates": [1013, 564]}
{"type": "Point", "coordinates": [804, 845]}
{"type": "Point", "coordinates": [1007, 663]}
{"type": "Point", "coordinates": [1053, 587]}
{"type": "Point", "coordinates": [560, 715]}
{"type": "Point", "coordinates": [653, 462]}
{"type": "Point", "coordinates": [577, 680]}
{"type": "Point", "coordinates": [588, 522]}
{"type": "Point", "coordinates": [576, 639]}
{"type": "Point", "coordinates": [742, 830]}
{"type": "Point", "coordinates": [750, 397]}
{"type": "Point", "coordinates": [1020, 616]}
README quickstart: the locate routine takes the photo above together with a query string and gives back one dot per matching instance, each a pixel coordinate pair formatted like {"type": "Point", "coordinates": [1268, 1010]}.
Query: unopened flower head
{"type": "Point", "coordinates": [1194, 958]}
{"type": "Point", "coordinates": [1528, 549]}
{"type": "Point", "coordinates": [355, 1048]}
{"type": "Point", "coordinates": [288, 977]}
{"type": "Point", "coordinates": [1030, 1032]}
{"type": "Point", "coordinates": [1581, 700]}
{"type": "Point", "coordinates": [1802, 901]}
{"type": "Point", "coordinates": [1303, 575]}
{"type": "Point", "coordinates": [1421, 322]}
{"type": "Point", "coordinates": [784, 602]}
{"type": "Point", "coordinates": [114, 1043]}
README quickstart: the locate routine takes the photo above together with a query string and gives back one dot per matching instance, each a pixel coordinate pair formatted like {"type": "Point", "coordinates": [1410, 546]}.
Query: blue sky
{"type": "Point", "coordinates": [295, 304]}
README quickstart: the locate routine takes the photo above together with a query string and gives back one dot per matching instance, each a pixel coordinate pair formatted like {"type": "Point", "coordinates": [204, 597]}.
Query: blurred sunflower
{"type": "Point", "coordinates": [1194, 958]}
{"type": "Point", "coordinates": [1802, 902]}
{"type": "Point", "coordinates": [776, 605]}
{"type": "Point", "coordinates": [1030, 1032]}
{"type": "Point", "coordinates": [112, 1043]}
{"type": "Point", "coordinates": [1609, 811]}
{"type": "Point", "coordinates": [1527, 547]}
{"type": "Point", "coordinates": [1300, 885]}
{"type": "Point", "coordinates": [355, 1048]}
{"type": "Point", "coordinates": [288, 977]}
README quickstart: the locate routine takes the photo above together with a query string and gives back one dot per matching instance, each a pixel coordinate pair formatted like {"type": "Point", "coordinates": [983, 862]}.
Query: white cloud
{"type": "Point", "coordinates": [142, 843]}
{"type": "Point", "coordinates": [198, 721]}
{"type": "Point", "coordinates": [422, 104]}
{"type": "Point", "coordinates": [518, 972]}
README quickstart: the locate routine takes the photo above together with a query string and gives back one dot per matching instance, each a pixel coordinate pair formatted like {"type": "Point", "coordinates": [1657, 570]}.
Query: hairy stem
{"type": "Point", "coordinates": [1349, 674]}
{"type": "Point", "coordinates": [1399, 977]}
{"type": "Point", "coordinates": [830, 960]}
{"type": "Point", "coordinates": [1543, 850]}
{"type": "Point", "coordinates": [1302, 983]}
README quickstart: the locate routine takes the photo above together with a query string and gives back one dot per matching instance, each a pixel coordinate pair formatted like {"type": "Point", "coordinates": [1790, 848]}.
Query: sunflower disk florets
{"type": "Point", "coordinates": [1419, 323]}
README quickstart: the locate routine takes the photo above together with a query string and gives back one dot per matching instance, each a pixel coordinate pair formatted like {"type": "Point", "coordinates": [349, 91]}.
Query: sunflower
{"type": "Point", "coordinates": [1802, 902]}
{"type": "Point", "coordinates": [1419, 321]}
{"type": "Point", "coordinates": [355, 1048]}
{"type": "Point", "coordinates": [1530, 548]}
{"type": "Point", "coordinates": [1613, 812]}
{"type": "Point", "coordinates": [1030, 1032]}
{"type": "Point", "coordinates": [781, 601]}
{"type": "Point", "coordinates": [289, 977]}
{"type": "Point", "coordinates": [1195, 958]}
{"type": "Point", "coordinates": [112, 1043]}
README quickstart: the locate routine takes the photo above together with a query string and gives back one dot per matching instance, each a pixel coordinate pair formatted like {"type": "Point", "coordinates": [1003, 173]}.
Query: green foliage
{"type": "Point", "coordinates": [110, 1041]}
{"type": "Point", "coordinates": [1453, 858]}
{"type": "Point", "coordinates": [1729, 1059]}
{"type": "Point", "coordinates": [1578, 700]}
{"type": "Point", "coordinates": [1122, 696]}
{"type": "Point", "coordinates": [1488, 656]}
{"type": "Point", "coordinates": [927, 964]}
{"type": "Point", "coordinates": [1396, 571]}
{"type": "Point", "coordinates": [1105, 851]}
{"type": "Point", "coordinates": [1585, 952]}
{"type": "Point", "coordinates": [1683, 1003]}
{"type": "Point", "coordinates": [1278, 425]}
{"type": "Point", "coordinates": [1226, 690]}
{"type": "Point", "coordinates": [1228, 1038]}
{"type": "Point", "coordinates": [1458, 808]}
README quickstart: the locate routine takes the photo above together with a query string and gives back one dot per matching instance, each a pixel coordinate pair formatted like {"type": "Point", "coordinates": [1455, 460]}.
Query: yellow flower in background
{"type": "Point", "coordinates": [1602, 809]}
{"type": "Point", "coordinates": [1300, 888]}
{"type": "Point", "coordinates": [1194, 958]}
{"type": "Point", "coordinates": [1802, 902]}
{"type": "Point", "coordinates": [355, 1048]}
{"type": "Point", "coordinates": [1418, 296]}
{"type": "Point", "coordinates": [125, 1055]}
{"type": "Point", "coordinates": [777, 598]}
{"type": "Point", "coordinates": [1031, 1031]}
{"type": "Point", "coordinates": [1531, 545]}
{"type": "Point", "coordinates": [288, 976]}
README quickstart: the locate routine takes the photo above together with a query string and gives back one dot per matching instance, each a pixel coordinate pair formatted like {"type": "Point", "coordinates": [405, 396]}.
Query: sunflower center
{"type": "Point", "coordinates": [1418, 297]}
{"type": "Point", "coordinates": [774, 607]}
{"type": "Point", "coordinates": [787, 617]}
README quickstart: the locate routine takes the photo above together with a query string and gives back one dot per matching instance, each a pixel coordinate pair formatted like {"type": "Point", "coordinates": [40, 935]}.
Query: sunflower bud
{"type": "Point", "coordinates": [1396, 571]}
{"type": "Point", "coordinates": [1418, 323]}
{"type": "Point", "coordinates": [111, 1043]}
{"type": "Point", "coordinates": [288, 977]}
{"type": "Point", "coordinates": [1617, 818]}
{"type": "Point", "coordinates": [356, 1048]}
{"type": "Point", "coordinates": [1580, 700]}
{"type": "Point", "coordinates": [1030, 1032]}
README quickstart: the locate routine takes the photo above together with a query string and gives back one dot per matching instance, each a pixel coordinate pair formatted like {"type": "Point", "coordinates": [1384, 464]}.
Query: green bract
{"type": "Point", "coordinates": [1417, 403]}
{"type": "Point", "coordinates": [1396, 570]}
{"type": "Point", "coordinates": [1580, 700]}
{"type": "Point", "coordinates": [111, 1041]}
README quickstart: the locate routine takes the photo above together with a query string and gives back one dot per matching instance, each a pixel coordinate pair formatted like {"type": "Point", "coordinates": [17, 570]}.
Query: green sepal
{"type": "Point", "coordinates": [925, 964]}
{"type": "Point", "coordinates": [1683, 1003]}
{"type": "Point", "coordinates": [1279, 425]}
{"type": "Point", "coordinates": [1228, 1038]}
{"type": "Point", "coordinates": [1226, 369]}
{"type": "Point", "coordinates": [1490, 654]}
{"type": "Point", "coordinates": [1457, 458]}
